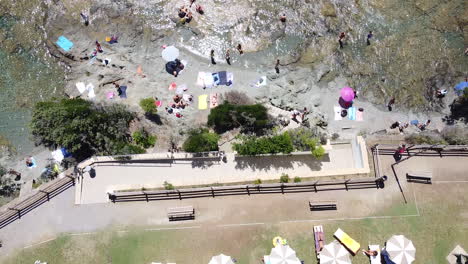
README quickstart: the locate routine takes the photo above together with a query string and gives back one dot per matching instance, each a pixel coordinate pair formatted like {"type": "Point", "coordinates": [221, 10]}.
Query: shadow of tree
{"type": "Point", "coordinates": [280, 162]}
{"type": "Point", "coordinates": [155, 118]}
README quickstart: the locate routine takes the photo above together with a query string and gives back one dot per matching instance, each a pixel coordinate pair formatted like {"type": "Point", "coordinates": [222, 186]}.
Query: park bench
{"type": "Point", "coordinates": [322, 205]}
{"type": "Point", "coordinates": [181, 213]}
{"type": "Point", "coordinates": [422, 176]}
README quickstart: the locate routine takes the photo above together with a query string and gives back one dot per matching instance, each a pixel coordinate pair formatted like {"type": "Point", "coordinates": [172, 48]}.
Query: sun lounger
{"type": "Point", "coordinates": [347, 241]}
{"type": "Point", "coordinates": [202, 102]}
{"type": "Point", "coordinates": [319, 239]}
{"type": "Point", "coordinates": [375, 259]}
{"type": "Point", "coordinates": [213, 100]}
{"type": "Point", "coordinates": [337, 111]}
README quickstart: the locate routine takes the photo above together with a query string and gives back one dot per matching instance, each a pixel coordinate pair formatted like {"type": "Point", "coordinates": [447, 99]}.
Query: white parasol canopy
{"type": "Point", "coordinates": [221, 259]}
{"type": "Point", "coordinates": [283, 254]}
{"type": "Point", "coordinates": [400, 249]}
{"type": "Point", "coordinates": [170, 53]}
{"type": "Point", "coordinates": [334, 253]}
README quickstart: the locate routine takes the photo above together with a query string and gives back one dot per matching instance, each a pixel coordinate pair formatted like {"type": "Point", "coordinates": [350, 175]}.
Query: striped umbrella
{"type": "Point", "coordinates": [334, 253]}
{"type": "Point", "coordinates": [283, 254]}
{"type": "Point", "coordinates": [400, 249]}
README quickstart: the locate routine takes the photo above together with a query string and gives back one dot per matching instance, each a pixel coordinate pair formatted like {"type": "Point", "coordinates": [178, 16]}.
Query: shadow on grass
{"type": "Point", "coordinates": [155, 118]}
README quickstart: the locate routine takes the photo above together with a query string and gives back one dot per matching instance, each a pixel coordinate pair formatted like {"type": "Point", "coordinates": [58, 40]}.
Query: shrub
{"type": "Point", "coordinates": [3, 170]}
{"type": "Point", "coordinates": [128, 149]}
{"type": "Point", "coordinates": [318, 152]}
{"type": "Point", "coordinates": [252, 146]}
{"type": "Point", "coordinates": [83, 128]}
{"type": "Point", "coordinates": [284, 178]}
{"type": "Point", "coordinates": [143, 139]}
{"type": "Point", "coordinates": [459, 107]}
{"type": "Point", "coordinates": [237, 98]}
{"type": "Point", "coordinates": [201, 140]}
{"type": "Point", "coordinates": [168, 186]}
{"type": "Point", "coordinates": [297, 179]}
{"type": "Point", "coordinates": [335, 136]}
{"type": "Point", "coordinates": [228, 116]}
{"type": "Point", "coordinates": [423, 138]}
{"type": "Point", "coordinates": [148, 105]}
{"type": "Point", "coordinates": [455, 135]}
{"type": "Point", "coordinates": [258, 181]}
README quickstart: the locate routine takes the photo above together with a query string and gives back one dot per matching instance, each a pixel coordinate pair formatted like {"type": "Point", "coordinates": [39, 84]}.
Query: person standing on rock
{"type": "Point", "coordinates": [212, 57]}
{"type": "Point", "coordinates": [277, 66]}
{"type": "Point", "coordinates": [228, 57]}
{"type": "Point", "coordinates": [239, 48]}
{"type": "Point", "coordinates": [98, 47]}
{"type": "Point", "coordinates": [191, 2]}
{"type": "Point", "coordinates": [391, 103]}
{"type": "Point", "coordinates": [200, 10]}
{"type": "Point", "coordinates": [341, 38]}
{"type": "Point", "coordinates": [283, 18]}
{"type": "Point", "coordinates": [85, 18]}
{"type": "Point", "coordinates": [369, 36]}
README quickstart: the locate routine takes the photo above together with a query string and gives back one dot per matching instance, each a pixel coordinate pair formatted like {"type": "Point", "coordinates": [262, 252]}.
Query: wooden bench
{"type": "Point", "coordinates": [422, 177]}
{"type": "Point", "coordinates": [322, 205]}
{"type": "Point", "coordinates": [181, 213]}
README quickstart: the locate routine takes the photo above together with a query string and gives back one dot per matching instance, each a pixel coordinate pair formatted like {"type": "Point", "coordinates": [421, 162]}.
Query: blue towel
{"type": "Point", "coordinates": [64, 43]}
{"type": "Point", "coordinates": [352, 113]}
{"type": "Point", "coordinates": [123, 91]}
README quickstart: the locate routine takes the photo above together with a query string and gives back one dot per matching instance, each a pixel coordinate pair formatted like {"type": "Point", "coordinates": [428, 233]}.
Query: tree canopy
{"type": "Point", "coordinates": [201, 140]}
{"type": "Point", "coordinates": [83, 128]}
{"type": "Point", "coordinates": [228, 116]}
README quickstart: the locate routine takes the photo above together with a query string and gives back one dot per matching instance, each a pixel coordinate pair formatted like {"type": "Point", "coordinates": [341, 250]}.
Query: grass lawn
{"type": "Point", "coordinates": [441, 226]}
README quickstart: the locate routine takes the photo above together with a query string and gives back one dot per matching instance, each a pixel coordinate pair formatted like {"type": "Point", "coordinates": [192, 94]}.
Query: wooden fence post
{"type": "Point", "coordinates": [47, 194]}
{"type": "Point", "coordinates": [346, 184]}
{"type": "Point", "coordinates": [315, 186]}
{"type": "Point", "coordinates": [17, 210]}
{"type": "Point", "coordinates": [146, 196]}
{"type": "Point", "coordinates": [247, 187]}
{"type": "Point", "coordinates": [212, 192]}
{"type": "Point", "coordinates": [72, 179]}
{"type": "Point", "coordinates": [180, 196]}
{"type": "Point", "coordinates": [282, 188]}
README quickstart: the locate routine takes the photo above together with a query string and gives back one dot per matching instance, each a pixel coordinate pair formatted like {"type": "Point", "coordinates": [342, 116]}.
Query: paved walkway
{"type": "Point", "coordinates": [108, 178]}
{"type": "Point", "coordinates": [60, 215]}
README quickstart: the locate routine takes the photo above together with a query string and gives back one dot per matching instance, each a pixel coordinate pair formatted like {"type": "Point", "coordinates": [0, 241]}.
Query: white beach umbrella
{"type": "Point", "coordinates": [221, 259]}
{"type": "Point", "coordinates": [334, 253]}
{"type": "Point", "coordinates": [170, 53]}
{"type": "Point", "coordinates": [400, 249]}
{"type": "Point", "coordinates": [283, 254]}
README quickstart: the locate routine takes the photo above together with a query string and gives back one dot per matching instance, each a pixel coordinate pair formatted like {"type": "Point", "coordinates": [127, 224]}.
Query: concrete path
{"type": "Point", "coordinates": [189, 173]}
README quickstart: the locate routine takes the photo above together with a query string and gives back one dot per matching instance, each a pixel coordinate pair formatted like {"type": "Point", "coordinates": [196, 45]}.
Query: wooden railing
{"type": "Point", "coordinates": [351, 184]}
{"type": "Point", "coordinates": [15, 211]}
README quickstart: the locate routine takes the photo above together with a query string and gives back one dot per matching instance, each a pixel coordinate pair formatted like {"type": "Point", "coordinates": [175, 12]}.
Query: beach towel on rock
{"type": "Point", "coordinates": [352, 113]}
{"type": "Point", "coordinates": [64, 43]}
{"type": "Point", "coordinates": [337, 112]}
{"type": "Point", "coordinates": [122, 91]}
{"type": "Point", "coordinates": [202, 103]}
{"type": "Point", "coordinates": [90, 88]}
{"type": "Point", "coordinates": [213, 100]}
{"type": "Point", "coordinates": [81, 87]}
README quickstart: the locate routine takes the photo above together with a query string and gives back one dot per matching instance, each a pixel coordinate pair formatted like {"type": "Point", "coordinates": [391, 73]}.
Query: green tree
{"type": "Point", "coordinates": [297, 179]}
{"type": "Point", "coordinates": [228, 116]}
{"type": "Point", "coordinates": [318, 152]}
{"type": "Point", "coordinates": [83, 128]}
{"type": "Point", "coordinates": [143, 139]}
{"type": "Point", "coordinates": [148, 105]}
{"type": "Point", "coordinates": [201, 140]}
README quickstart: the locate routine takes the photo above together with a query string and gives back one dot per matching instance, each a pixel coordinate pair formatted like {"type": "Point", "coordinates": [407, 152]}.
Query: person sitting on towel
{"type": "Point", "coordinates": [174, 67]}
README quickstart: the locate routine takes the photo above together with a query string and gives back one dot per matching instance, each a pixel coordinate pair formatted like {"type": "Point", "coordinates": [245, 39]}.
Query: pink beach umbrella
{"type": "Point", "coordinates": [347, 94]}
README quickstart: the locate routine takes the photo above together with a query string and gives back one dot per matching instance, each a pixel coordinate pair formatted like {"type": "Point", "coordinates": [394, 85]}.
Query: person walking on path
{"type": "Point", "coordinates": [212, 57]}
{"type": "Point", "coordinates": [399, 152]}
{"type": "Point", "coordinates": [369, 36]}
{"type": "Point", "coordinates": [277, 66]}
{"type": "Point", "coordinates": [341, 38]}
{"type": "Point", "coordinates": [228, 57]}
{"type": "Point", "coordinates": [391, 103]}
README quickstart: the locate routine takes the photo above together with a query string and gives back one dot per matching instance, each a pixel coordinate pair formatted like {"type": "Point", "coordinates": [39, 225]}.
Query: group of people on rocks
{"type": "Point", "coordinates": [179, 103]}
{"type": "Point", "coordinates": [185, 13]}
{"type": "Point", "coordinates": [342, 38]}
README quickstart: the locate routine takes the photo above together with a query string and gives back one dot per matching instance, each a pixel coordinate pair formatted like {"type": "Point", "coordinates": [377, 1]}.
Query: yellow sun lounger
{"type": "Point", "coordinates": [202, 102]}
{"type": "Point", "coordinates": [347, 241]}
